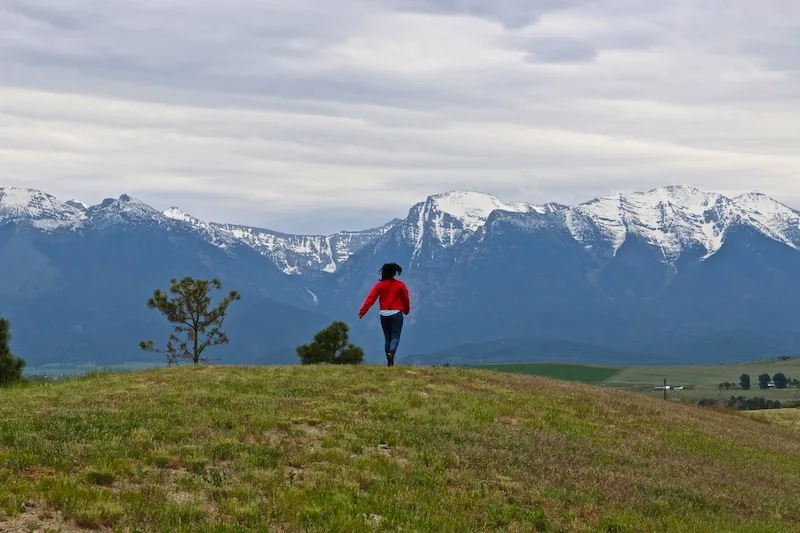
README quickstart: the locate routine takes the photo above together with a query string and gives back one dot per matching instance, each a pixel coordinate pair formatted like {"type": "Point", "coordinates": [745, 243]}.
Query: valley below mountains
{"type": "Point", "coordinates": [674, 275]}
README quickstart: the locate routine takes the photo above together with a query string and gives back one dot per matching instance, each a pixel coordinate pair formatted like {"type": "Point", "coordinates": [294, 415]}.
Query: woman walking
{"type": "Point", "coordinates": [394, 303]}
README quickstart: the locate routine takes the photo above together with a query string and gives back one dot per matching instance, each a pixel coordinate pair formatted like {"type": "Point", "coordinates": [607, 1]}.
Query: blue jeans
{"type": "Point", "coordinates": [392, 326]}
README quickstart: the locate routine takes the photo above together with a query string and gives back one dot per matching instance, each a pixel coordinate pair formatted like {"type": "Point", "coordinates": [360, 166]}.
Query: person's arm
{"type": "Point", "coordinates": [406, 299]}
{"type": "Point", "coordinates": [371, 299]}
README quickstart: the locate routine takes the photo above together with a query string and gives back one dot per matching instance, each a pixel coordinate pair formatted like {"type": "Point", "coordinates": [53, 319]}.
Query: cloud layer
{"type": "Point", "coordinates": [301, 116]}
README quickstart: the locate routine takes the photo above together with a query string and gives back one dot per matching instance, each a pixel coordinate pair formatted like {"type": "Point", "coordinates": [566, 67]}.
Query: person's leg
{"type": "Point", "coordinates": [397, 328]}
{"type": "Point", "coordinates": [386, 324]}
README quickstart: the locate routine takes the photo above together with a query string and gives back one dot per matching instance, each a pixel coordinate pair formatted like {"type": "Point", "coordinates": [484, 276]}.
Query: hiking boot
{"type": "Point", "coordinates": [390, 358]}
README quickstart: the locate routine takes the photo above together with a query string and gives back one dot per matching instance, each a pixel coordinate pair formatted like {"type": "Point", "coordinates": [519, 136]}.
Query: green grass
{"type": "Point", "coordinates": [363, 449]}
{"type": "Point", "coordinates": [789, 418]}
{"type": "Point", "coordinates": [570, 372]}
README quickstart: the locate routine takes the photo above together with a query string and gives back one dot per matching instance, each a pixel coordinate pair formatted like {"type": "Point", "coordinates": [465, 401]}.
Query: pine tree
{"type": "Point", "coordinates": [11, 367]}
{"type": "Point", "coordinates": [188, 310]}
{"type": "Point", "coordinates": [332, 346]}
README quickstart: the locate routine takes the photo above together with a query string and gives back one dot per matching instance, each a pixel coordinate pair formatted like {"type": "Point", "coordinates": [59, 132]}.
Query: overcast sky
{"type": "Point", "coordinates": [314, 115]}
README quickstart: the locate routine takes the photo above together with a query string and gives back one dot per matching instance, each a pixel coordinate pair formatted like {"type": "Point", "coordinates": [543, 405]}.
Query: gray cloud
{"type": "Point", "coordinates": [296, 115]}
{"type": "Point", "coordinates": [510, 13]}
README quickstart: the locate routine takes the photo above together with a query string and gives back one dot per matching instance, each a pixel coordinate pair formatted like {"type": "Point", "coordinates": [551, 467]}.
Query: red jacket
{"type": "Point", "coordinates": [393, 294]}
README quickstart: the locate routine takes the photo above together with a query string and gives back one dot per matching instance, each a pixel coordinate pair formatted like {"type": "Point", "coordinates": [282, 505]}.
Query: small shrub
{"type": "Point", "coordinates": [332, 346]}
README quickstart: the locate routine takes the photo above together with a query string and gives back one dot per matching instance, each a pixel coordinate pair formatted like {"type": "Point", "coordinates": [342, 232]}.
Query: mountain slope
{"type": "Point", "coordinates": [675, 274]}
{"type": "Point", "coordinates": [78, 291]}
{"type": "Point", "coordinates": [680, 274]}
{"type": "Point", "coordinates": [362, 449]}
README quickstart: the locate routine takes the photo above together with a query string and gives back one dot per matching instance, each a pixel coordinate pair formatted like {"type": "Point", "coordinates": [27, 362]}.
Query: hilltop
{"type": "Point", "coordinates": [376, 449]}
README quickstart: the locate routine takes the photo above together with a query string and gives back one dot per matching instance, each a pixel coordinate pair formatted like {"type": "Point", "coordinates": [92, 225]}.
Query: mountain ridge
{"type": "Point", "coordinates": [671, 218]}
{"type": "Point", "coordinates": [672, 272]}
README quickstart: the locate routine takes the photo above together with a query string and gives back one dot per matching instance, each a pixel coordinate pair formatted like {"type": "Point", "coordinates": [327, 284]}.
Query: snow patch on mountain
{"type": "Point", "coordinates": [303, 254]}
{"type": "Point", "coordinates": [770, 217]}
{"type": "Point", "coordinates": [444, 220]}
{"type": "Point", "coordinates": [292, 254]}
{"type": "Point", "coordinates": [471, 209]}
{"type": "Point", "coordinates": [212, 233]}
{"type": "Point", "coordinates": [124, 212]}
{"type": "Point", "coordinates": [42, 210]}
{"type": "Point", "coordinates": [673, 219]}
{"type": "Point", "coordinates": [176, 214]}
{"type": "Point", "coordinates": [80, 206]}
{"type": "Point", "coordinates": [678, 218]}
{"type": "Point", "coordinates": [670, 218]}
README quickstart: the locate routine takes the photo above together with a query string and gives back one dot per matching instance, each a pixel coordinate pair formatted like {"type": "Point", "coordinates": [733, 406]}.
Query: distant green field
{"type": "Point", "coordinates": [699, 381]}
{"type": "Point", "coordinates": [593, 375]}
{"type": "Point", "coordinates": [702, 381]}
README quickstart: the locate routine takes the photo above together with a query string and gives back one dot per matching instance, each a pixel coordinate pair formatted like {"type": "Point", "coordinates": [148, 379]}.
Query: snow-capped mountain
{"type": "Point", "coordinates": [212, 233]}
{"type": "Point", "coordinates": [675, 272]}
{"type": "Point", "coordinates": [627, 271]}
{"type": "Point", "coordinates": [45, 212]}
{"type": "Point", "coordinates": [677, 219]}
{"type": "Point", "coordinates": [447, 219]}
{"type": "Point", "coordinates": [305, 254]}
{"type": "Point", "coordinates": [124, 212]}
{"type": "Point", "coordinates": [292, 254]}
{"type": "Point", "coordinates": [674, 220]}
{"type": "Point", "coordinates": [42, 210]}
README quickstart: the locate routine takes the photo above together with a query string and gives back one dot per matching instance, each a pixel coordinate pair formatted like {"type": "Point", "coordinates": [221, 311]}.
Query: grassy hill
{"type": "Point", "coordinates": [784, 417]}
{"type": "Point", "coordinates": [592, 374]}
{"type": "Point", "coordinates": [382, 449]}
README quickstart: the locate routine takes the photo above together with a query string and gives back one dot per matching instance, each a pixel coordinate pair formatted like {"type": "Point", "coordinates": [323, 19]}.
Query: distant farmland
{"type": "Point", "coordinates": [698, 381]}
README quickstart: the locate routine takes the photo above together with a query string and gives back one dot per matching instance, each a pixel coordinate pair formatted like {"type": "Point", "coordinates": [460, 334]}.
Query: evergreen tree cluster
{"type": "Point", "coordinates": [780, 380]}
{"type": "Point", "coordinates": [11, 367]}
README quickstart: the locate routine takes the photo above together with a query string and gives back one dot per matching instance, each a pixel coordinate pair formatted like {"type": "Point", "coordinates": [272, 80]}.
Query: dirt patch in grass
{"type": "Point", "coordinates": [34, 520]}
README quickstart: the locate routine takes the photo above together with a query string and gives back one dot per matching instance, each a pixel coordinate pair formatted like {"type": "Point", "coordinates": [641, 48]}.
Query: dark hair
{"type": "Point", "coordinates": [390, 270]}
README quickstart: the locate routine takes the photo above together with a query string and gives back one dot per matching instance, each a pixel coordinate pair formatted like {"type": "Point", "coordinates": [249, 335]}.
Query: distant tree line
{"type": "Point", "coordinates": [780, 380]}
{"type": "Point", "coordinates": [751, 404]}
